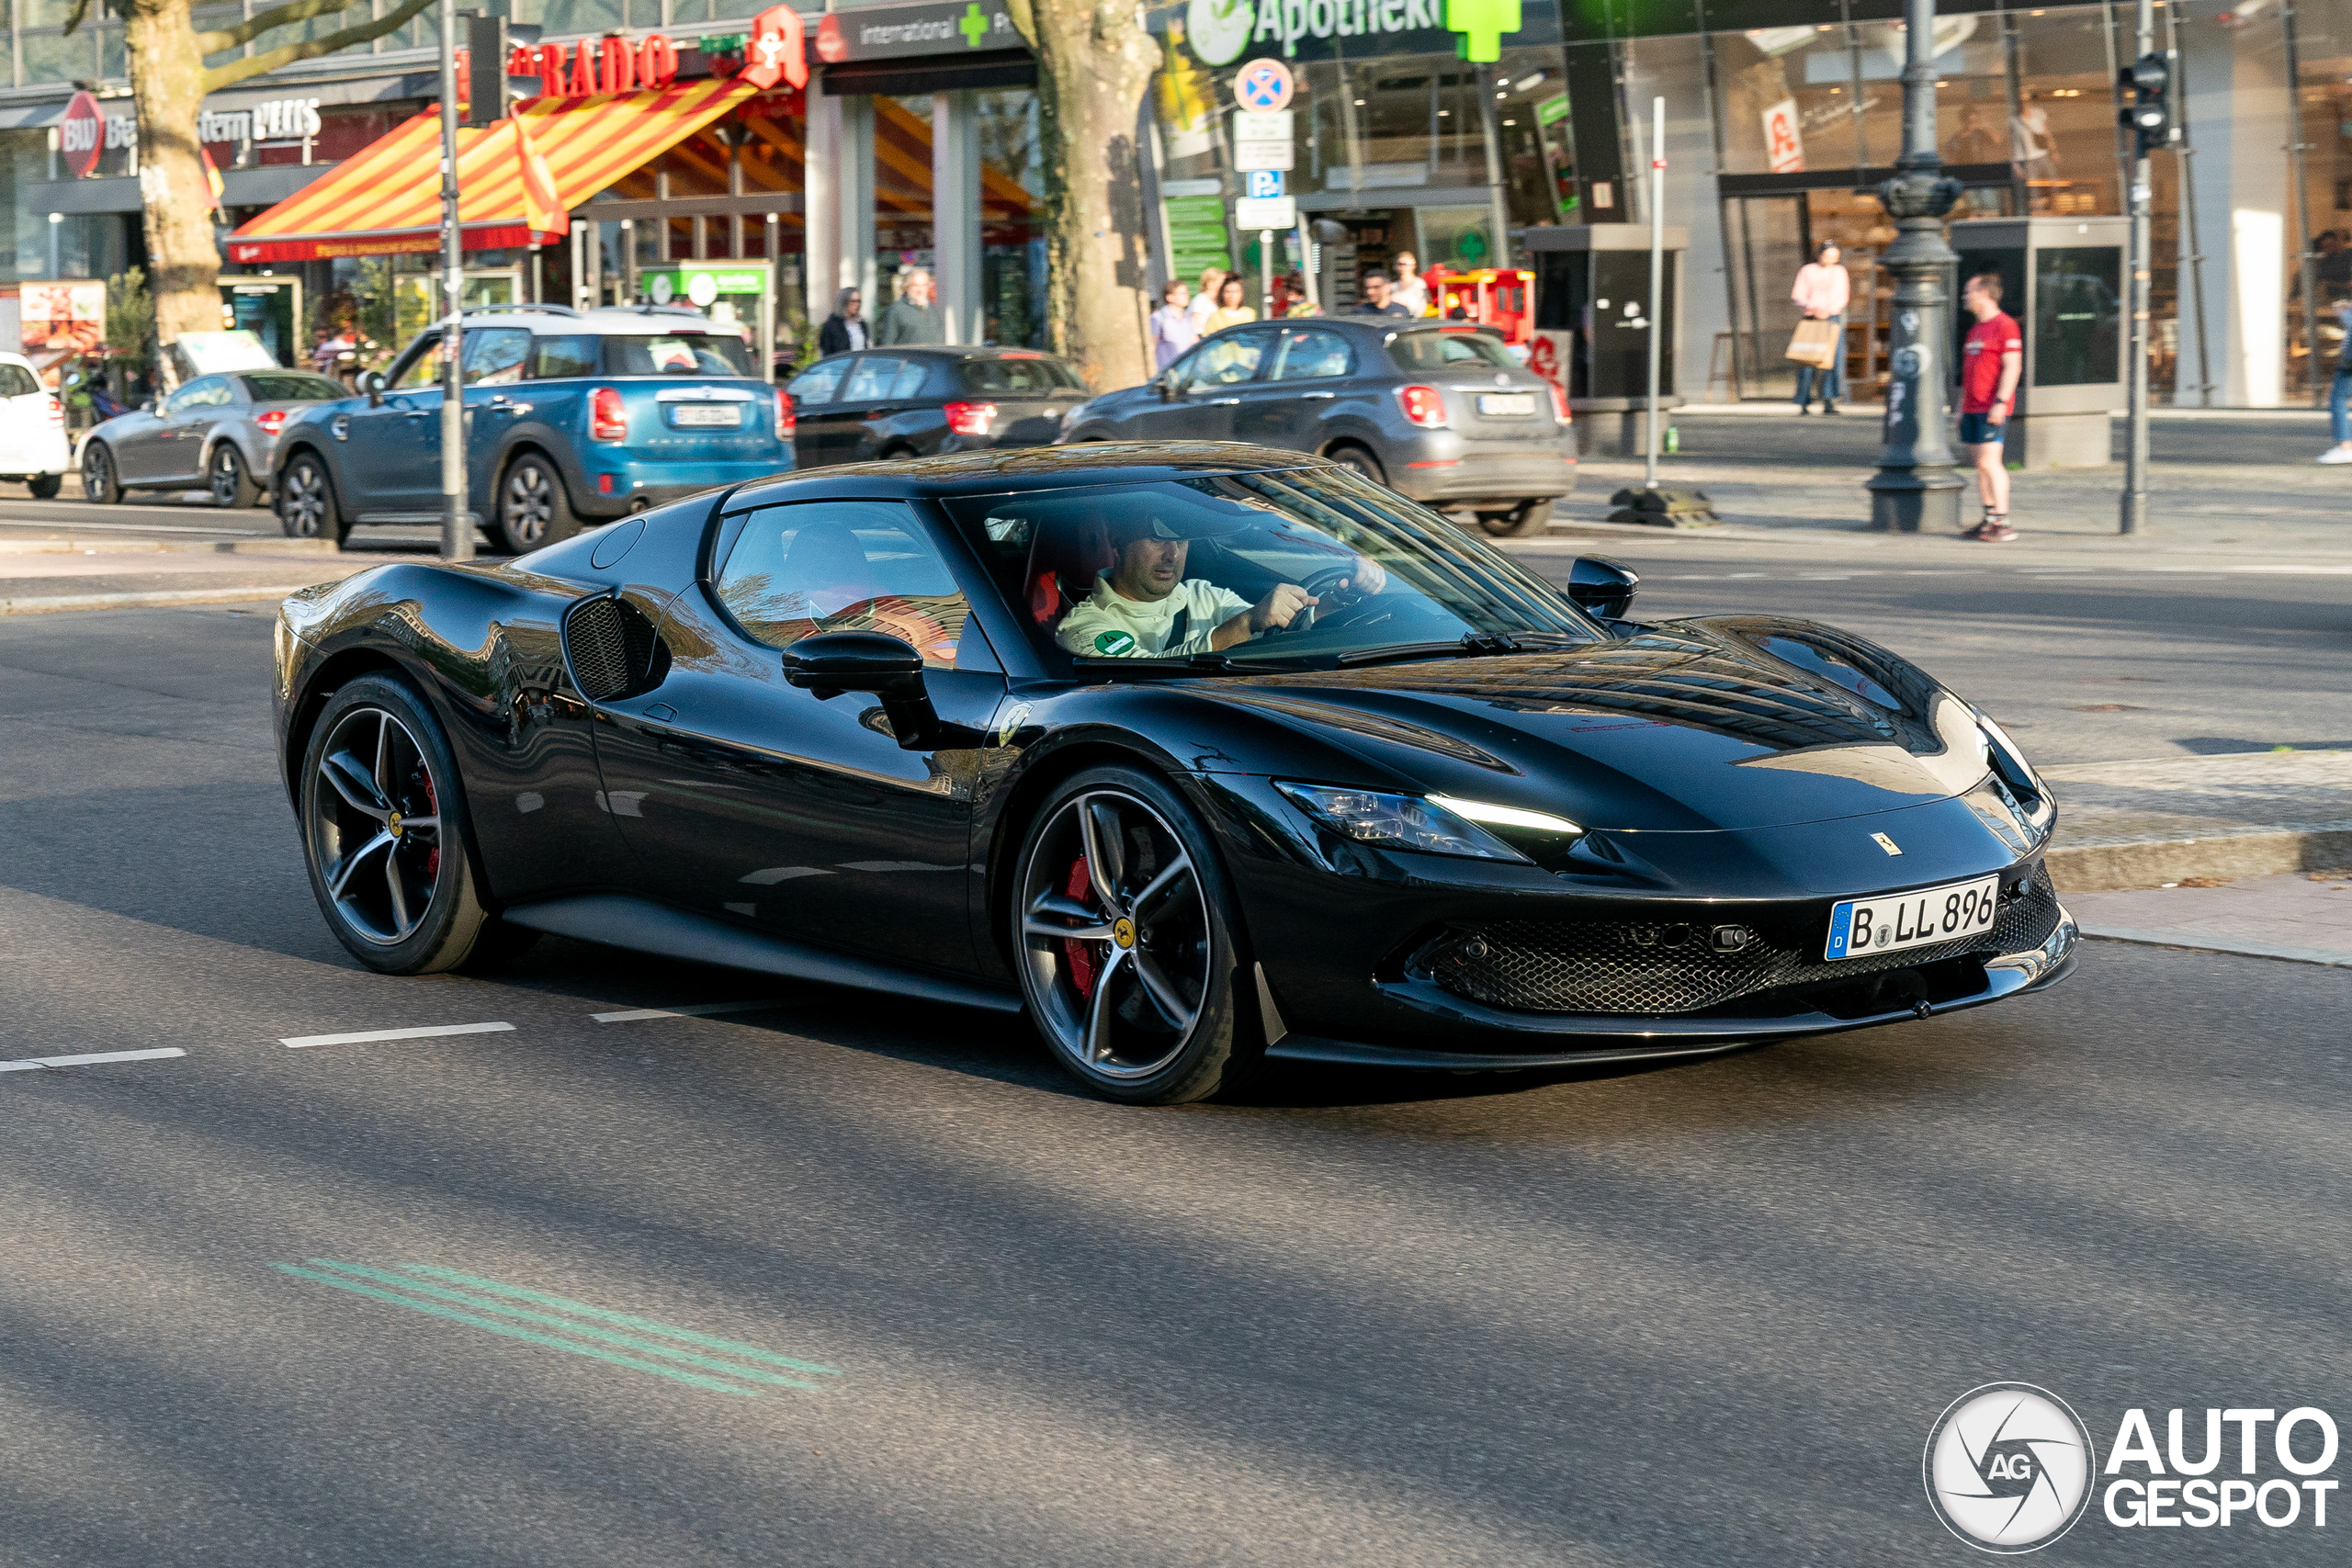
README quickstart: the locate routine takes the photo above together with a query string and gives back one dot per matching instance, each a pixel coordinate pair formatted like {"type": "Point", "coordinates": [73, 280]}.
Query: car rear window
{"type": "Point", "coordinates": [571, 354]}
{"type": "Point", "coordinates": [16, 381]}
{"type": "Point", "coordinates": [294, 388]}
{"type": "Point", "coordinates": [1448, 348]}
{"type": "Point", "coordinates": [1013, 375]}
{"type": "Point", "coordinates": [676, 354]}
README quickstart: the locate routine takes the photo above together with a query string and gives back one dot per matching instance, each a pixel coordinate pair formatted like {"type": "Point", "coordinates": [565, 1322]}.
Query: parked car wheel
{"type": "Point", "coordinates": [1126, 945]}
{"type": "Point", "coordinates": [45, 486]}
{"type": "Point", "coordinates": [232, 484]}
{"type": "Point", "coordinates": [533, 509]}
{"type": "Point", "coordinates": [98, 480]}
{"type": "Point", "coordinates": [305, 501]}
{"type": "Point", "coordinates": [1356, 461]}
{"type": "Point", "coordinates": [1528, 518]}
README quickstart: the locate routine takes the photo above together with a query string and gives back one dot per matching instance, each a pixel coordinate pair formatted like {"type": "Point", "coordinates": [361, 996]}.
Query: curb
{"type": "Point", "coordinates": [2110, 868]}
{"type": "Point", "coordinates": [2242, 949]}
{"type": "Point", "coordinates": [56, 602]}
{"type": "Point", "coordinates": [254, 544]}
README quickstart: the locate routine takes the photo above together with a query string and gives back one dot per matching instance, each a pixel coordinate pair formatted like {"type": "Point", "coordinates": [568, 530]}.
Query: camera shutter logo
{"type": "Point", "coordinates": [2008, 1467]}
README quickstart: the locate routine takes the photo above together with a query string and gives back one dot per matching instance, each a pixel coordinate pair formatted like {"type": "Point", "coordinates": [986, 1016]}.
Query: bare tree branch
{"type": "Point", "coordinates": [236, 71]}
{"type": "Point", "coordinates": [81, 9]}
{"type": "Point", "coordinates": [276, 16]}
{"type": "Point", "coordinates": [1024, 19]}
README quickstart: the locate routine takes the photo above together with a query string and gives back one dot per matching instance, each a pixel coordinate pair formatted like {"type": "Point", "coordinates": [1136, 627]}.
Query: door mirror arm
{"type": "Point", "coordinates": [830, 663]}
{"type": "Point", "coordinates": [372, 383]}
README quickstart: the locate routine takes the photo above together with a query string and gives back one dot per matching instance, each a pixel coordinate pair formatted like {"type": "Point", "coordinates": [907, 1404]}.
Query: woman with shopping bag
{"type": "Point", "coordinates": [1819, 343]}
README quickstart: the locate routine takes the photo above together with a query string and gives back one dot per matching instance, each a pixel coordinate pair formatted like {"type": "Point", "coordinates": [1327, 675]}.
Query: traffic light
{"type": "Point", "coordinates": [2147, 103]}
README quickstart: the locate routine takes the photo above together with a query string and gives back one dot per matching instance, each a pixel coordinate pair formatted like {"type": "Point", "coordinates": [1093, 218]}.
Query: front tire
{"type": "Point", "coordinates": [232, 485]}
{"type": "Point", "coordinates": [384, 834]}
{"type": "Point", "coordinates": [1356, 461]}
{"type": "Point", "coordinates": [45, 486]}
{"type": "Point", "coordinates": [1127, 943]}
{"type": "Point", "coordinates": [305, 501]}
{"type": "Point", "coordinates": [1529, 518]}
{"type": "Point", "coordinates": [99, 479]}
{"type": "Point", "coordinates": [533, 509]}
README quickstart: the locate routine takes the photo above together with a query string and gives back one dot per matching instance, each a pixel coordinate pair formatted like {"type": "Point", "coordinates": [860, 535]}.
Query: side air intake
{"type": "Point", "coordinates": [613, 650]}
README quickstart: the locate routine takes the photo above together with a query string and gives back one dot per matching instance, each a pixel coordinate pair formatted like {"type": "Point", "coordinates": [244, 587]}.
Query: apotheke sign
{"type": "Point", "coordinates": [1221, 31]}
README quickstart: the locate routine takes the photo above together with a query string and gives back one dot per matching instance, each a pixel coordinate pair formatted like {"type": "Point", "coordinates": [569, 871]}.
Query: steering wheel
{"type": "Point", "coordinates": [1338, 602]}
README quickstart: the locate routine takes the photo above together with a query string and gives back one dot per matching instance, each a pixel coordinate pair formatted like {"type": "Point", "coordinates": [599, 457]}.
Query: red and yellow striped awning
{"type": "Point", "coordinates": [387, 199]}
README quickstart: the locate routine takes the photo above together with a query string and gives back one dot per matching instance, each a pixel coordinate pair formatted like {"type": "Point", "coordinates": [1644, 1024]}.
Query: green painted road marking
{"type": "Point", "coordinates": [626, 1341]}
{"type": "Point", "coordinates": [512, 1332]}
{"type": "Point", "coordinates": [582, 1309]}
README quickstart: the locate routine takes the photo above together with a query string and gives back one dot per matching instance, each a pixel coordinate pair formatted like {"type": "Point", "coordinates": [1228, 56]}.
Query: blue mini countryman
{"type": "Point", "coordinates": [572, 417]}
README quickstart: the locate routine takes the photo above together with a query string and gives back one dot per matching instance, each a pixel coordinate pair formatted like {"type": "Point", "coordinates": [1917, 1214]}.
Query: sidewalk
{"type": "Point", "coordinates": [46, 576]}
{"type": "Point", "coordinates": [2306, 916]}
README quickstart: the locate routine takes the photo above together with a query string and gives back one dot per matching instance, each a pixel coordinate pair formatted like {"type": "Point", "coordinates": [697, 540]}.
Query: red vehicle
{"type": "Point", "coordinates": [1503, 298]}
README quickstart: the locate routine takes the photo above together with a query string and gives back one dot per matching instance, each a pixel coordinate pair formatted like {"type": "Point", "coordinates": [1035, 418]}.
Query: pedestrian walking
{"type": "Point", "coordinates": [2339, 392]}
{"type": "Point", "coordinates": [1822, 291]}
{"type": "Point", "coordinates": [1379, 296]}
{"type": "Point", "coordinates": [1173, 330]}
{"type": "Point", "coordinates": [844, 329]}
{"type": "Point", "coordinates": [1412, 292]}
{"type": "Point", "coordinates": [1212, 278]}
{"type": "Point", "coordinates": [1232, 307]}
{"type": "Point", "coordinates": [913, 317]}
{"type": "Point", "coordinates": [1990, 362]}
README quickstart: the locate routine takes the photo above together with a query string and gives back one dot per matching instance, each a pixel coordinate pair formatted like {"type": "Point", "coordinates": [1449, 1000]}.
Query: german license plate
{"type": "Point", "coordinates": [1518, 403]}
{"type": "Point", "coordinates": [1860, 926]}
{"type": "Point", "coordinates": [724, 415]}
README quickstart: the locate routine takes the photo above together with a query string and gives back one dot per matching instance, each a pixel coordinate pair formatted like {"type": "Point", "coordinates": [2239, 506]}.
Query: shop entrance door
{"type": "Point", "coordinates": [1769, 237]}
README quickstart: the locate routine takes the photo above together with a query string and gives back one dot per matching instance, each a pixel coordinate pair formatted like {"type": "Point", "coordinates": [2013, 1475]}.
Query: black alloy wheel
{"type": "Point", "coordinates": [1125, 943]}
{"type": "Point", "coordinates": [305, 501]}
{"type": "Point", "coordinates": [232, 484]}
{"type": "Point", "coordinates": [383, 834]}
{"type": "Point", "coordinates": [45, 486]}
{"type": "Point", "coordinates": [533, 509]}
{"type": "Point", "coordinates": [98, 480]}
{"type": "Point", "coordinates": [1356, 461]}
{"type": "Point", "coordinates": [1524, 521]}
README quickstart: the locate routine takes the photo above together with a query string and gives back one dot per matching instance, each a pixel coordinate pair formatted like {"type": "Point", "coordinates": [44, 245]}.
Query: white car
{"type": "Point", "coordinates": [32, 429]}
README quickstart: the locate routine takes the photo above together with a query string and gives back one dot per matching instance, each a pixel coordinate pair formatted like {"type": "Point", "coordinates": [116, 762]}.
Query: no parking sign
{"type": "Point", "coordinates": [1263, 86]}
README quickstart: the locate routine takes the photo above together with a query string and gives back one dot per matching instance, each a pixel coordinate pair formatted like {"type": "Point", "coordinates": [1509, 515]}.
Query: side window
{"type": "Point", "coordinates": [494, 357]}
{"type": "Point", "coordinates": [872, 378]}
{"type": "Point", "coordinates": [419, 369]}
{"type": "Point", "coordinates": [1223, 361]}
{"type": "Point", "coordinates": [909, 382]}
{"type": "Point", "coordinates": [815, 384]}
{"type": "Point", "coordinates": [204, 393]}
{"type": "Point", "coordinates": [1309, 353]}
{"type": "Point", "coordinates": [830, 566]}
{"type": "Point", "coordinates": [16, 381]}
{"type": "Point", "coordinates": [555, 357]}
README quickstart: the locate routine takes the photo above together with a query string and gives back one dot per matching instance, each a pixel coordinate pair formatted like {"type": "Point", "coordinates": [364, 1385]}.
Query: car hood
{"type": "Point", "coordinates": [1725, 724]}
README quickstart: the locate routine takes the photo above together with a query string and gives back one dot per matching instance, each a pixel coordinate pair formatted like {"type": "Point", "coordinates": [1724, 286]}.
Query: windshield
{"type": "Point", "coordinates": [1312, 568]}
{"type": "Point", "coordinates": [294, 388]}
{"type": "Point", "coordinates": [676, 354]}
{"type": "Point", "coordinates": [1448, 349]}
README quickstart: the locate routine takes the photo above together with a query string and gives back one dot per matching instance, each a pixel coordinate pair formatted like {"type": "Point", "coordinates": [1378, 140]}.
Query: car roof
{"type": "Point", "coordinates": [563, 321]}
{"type": "Point", "coordinates": [1021, 468]}
{"type": "Point", "coordinates": [962, 351]}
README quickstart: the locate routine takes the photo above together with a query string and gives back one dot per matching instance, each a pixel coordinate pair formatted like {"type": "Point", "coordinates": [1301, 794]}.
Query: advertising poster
{"type": "Point", "coordinates": [59, 319]}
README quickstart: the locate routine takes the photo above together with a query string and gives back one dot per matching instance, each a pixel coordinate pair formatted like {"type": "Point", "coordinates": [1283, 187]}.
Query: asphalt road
{"type": "Point", "coordinates": [955, 1312]}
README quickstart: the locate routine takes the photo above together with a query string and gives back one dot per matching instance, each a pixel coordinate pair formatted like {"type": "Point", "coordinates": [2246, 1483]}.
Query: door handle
{"type": "Point", "coordinates": [1316, 397]}
{"type": "Point", "coordinates": [417, 414]}
{"type": "Point", "coordinates": [1224, 402]}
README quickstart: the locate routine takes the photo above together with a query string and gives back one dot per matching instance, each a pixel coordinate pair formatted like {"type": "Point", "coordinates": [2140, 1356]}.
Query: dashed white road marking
{"type": "Point", "coordinates": [90, 1059]}
{"type": "Point", "coordinates": [364, 1036]}
{"type": "Point", "coordinates": [690, 1010]}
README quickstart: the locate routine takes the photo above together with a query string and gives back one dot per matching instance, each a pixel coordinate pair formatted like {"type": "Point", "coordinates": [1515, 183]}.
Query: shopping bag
{"type": "Point", "coordinates": [1815, 342]}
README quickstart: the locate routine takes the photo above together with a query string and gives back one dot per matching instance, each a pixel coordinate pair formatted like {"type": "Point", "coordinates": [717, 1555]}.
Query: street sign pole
{"type": "Point", "coordinates": [1658, 279]}
{"type": "Point", "coordinates": [2135, 461]}
{"type": "Point", "coordinates": [1266, 272]}
{"type": "Point", "coordinates": [457, 527]}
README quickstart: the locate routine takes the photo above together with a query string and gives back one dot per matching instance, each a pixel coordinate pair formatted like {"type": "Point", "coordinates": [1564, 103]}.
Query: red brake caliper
{"type": "Point", "coordinates": [1085, 964]}
{"type": "Point", "coordinates": [433, 855]}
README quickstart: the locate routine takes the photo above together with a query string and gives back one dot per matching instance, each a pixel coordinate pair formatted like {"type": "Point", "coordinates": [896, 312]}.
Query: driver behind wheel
{"type": "Point", "coordinates": [1144, 606]}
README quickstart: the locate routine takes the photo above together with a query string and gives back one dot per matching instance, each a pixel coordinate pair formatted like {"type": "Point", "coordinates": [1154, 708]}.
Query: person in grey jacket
{"type": "Point", "coordinates": [913, 316]}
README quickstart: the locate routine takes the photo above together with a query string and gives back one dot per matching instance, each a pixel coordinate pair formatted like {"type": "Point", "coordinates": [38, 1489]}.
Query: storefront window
{"type": "Point", "coordinates": [1013, 243]}
{"type": "Point", "coordinates": [2062, 125]}
{"type": "Point", "coordinates": [902, 210]}
{"type": "Point", "coordinates": [1788, 99]}
{"type": "Point", "coordinates": [2323, 61]}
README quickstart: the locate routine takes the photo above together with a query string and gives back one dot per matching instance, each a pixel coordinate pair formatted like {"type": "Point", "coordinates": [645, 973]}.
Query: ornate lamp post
{"type": "Point", "coordinates": [1916, 485]}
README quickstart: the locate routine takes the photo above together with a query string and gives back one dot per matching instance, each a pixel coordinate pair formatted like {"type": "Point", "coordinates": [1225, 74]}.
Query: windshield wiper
{"type": "Point", "coordinates": [1470, 644]}
{"type": "Point", "coordinates": [1191, 664]}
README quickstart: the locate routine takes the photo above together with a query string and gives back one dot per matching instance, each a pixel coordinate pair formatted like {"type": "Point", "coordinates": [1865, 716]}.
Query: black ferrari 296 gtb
{"type": "Point", "coordinates": [1199, 754]}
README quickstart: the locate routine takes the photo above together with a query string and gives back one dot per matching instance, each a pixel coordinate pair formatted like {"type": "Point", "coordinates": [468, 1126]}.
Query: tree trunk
{"type": "Point", "coordinates": [1095, 63]}
{"type": "Point", "coordinates": [167, 75]}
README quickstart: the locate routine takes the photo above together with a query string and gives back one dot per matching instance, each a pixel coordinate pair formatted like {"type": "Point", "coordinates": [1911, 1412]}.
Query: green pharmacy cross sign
{"type": "Point", "coordinates": [974, 24]}
{"type": "Point", "coordinates": [1483, 25]}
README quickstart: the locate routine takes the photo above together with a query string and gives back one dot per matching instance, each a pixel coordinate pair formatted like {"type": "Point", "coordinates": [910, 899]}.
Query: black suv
{"type": "Point", "coordinates": [1438, 411]}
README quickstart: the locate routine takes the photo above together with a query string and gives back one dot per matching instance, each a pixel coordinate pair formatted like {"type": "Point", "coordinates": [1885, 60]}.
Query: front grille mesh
{"type": "Point", "coordinates": [1629, 966]}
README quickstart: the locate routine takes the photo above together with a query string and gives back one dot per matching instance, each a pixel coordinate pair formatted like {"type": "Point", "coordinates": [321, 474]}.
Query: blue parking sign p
{"type": "Point", "coordinates": [1265, 182]}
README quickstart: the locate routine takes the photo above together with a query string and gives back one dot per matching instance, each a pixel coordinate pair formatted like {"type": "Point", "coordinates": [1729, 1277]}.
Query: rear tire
{"type": "Point", "coordinates": [1529, 518]}
{"type": "Point", "coordinates": [99, 479]}
{"type": "Point", "coordinates": [232, 485]}
{"type": "Point", "coordinates": [45, 486]}
{"type": "Point", "coordinates": [385, 835]}
{"type": "Point", "coordinates": [533, 509]}
{"type": "Point", "coordinates": [305, 501]}
{"type": "Point", "coordinates": [1356, 461]}
{"type": "Point", "coordinates": [1148, 1005]}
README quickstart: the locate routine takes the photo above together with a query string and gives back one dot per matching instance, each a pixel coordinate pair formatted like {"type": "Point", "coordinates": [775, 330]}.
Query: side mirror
{"type": "Point", "coordinates": [372, 383]}
{"type": "Point", "coordinates": [1166, 382]}
{"type": "Point", "coordinates": [830, 663]}
{"type": "Point", "coordinates": [1602, 587]}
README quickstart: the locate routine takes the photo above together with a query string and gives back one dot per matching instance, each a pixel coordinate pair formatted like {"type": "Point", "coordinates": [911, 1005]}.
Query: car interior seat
{"type": "Point", "coordinates": [1069, 553]}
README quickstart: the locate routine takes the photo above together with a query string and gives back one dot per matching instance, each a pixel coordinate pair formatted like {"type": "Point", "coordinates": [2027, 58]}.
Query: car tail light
{"type": "Point", "coordinates": [787, 418]}
{"type": "Point", "coordinates": [56, 411]}
{"type": "Point", "coordinates": [1424, 406]}
{"type": "Point", "coordinates": [607, 420]}
{"type": "Point", "coordinates": [1559, 403]}
{"type": "Point", "coordinates": [271, 420]}
{"type": "Point", "coordinates": [970, 419]}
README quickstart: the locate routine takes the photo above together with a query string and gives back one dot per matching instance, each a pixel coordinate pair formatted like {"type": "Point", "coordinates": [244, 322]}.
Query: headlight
{"type": "Point", "coordinates": [1434, 824]}
{"type": "Point", "coordinates": [2001, 754]}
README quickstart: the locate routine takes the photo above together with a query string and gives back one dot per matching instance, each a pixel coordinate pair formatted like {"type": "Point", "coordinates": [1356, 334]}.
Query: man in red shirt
{"type": "Point", "coordinates": [1990, 362]}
